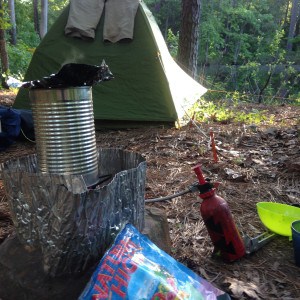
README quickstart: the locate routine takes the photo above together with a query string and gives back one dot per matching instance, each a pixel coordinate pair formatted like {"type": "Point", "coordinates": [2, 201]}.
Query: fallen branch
{"type": "Point", "coordinates": [287, 118]}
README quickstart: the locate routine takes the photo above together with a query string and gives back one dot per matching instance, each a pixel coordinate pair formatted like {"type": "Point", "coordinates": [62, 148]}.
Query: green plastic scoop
{"type": "Point", "coordinates": [278, 217]}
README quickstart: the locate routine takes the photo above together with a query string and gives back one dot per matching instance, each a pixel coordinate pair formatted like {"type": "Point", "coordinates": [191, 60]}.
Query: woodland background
{"type": "Point", "coordinates": [245, 50]}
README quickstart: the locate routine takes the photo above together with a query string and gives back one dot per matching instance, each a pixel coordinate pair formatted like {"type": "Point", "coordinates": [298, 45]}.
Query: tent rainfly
{"type": "Point", "coordinates": [149, 88]}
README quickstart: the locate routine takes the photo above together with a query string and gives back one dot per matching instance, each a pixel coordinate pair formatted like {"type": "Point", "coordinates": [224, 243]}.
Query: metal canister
{"type": "Point", "coordinates": [65, 132]}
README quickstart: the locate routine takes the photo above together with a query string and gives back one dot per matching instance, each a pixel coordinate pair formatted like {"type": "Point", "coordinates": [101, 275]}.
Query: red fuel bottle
{"type": "Point", "coordinates": [219, 221]}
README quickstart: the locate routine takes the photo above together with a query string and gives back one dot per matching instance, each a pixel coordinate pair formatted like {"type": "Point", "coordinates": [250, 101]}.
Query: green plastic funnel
{"type": "Point", "coordinates": [278, 217]}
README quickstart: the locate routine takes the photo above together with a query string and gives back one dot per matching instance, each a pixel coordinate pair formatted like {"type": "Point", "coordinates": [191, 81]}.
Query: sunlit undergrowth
{"type": "Point", "coordinates": [208, 111]}
{"type": "Point", "coordinates": [234, 108]}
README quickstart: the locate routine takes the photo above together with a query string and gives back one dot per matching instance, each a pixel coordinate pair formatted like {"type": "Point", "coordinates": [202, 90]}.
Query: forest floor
{"type": "Point", "coordinates": [255, 163]}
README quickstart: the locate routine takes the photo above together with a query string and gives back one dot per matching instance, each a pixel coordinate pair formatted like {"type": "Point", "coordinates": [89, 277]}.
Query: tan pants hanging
{"type": "Point", "coordinates": [84, 17]}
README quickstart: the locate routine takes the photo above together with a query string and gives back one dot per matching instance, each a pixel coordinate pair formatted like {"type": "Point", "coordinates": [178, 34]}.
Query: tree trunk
{"type": "Point", "coordinates": [260, 96]}
{"type": "Point", "coordinates": [158, 5]}
{"type": "Point", "coordinates": [36, 17]}
{"type": "Point", "coordinates": [3, 52]}
{"type": "Point", "coordinates": [286, 13]}
{"type": "Point", "coordinates": [294, 19]}
{"type": "Point", "coordinates": [189, 35]}
{"type": "Point", "coordinates": [13, 29]}
{"type": "Point", "coordinates": [4, 59]}
{"type": "Point", "coordinates": [44, 18]}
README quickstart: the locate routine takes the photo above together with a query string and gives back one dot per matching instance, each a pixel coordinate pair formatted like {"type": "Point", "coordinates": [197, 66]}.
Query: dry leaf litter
{"type": "Point", "coordinates": [255, 163]}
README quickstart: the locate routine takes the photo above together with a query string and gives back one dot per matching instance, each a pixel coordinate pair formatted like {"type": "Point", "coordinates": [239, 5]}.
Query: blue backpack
{"type": "Point", "coordinates": [10, 126]}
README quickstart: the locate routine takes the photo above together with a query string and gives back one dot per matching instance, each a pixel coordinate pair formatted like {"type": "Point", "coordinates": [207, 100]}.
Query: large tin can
{"type": "Point", "coordinates": [65, 131]}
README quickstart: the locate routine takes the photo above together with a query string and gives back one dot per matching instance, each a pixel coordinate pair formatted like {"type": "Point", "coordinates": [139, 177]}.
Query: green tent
{"type": "Point", "coordinates": [148, 88]}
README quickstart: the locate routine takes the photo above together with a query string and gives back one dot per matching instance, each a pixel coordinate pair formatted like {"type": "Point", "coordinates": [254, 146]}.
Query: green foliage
{"type": "Point", "coordinates": [19, 58]}
{"type": "Point", "coordinates": [242, 48]}
{"type": "Point", "coordinates": [27, 39]}
{"type": "Point", "coordinates": [232, 33]}
{"type": "Point", "coordinates": [55, 9]}
{"type": "Point", "coordinates": [28, 36]}
{"type": "Point", "coordinates": [167, 14]}
{"type": "Point", "coordinates": [228, 111]}
{"type": "Point", "coordinates": [4, 16]}
{"type": "Point", "coordinates": [56, 6]}
{"type": "Point", "coordinates": [172, 42]}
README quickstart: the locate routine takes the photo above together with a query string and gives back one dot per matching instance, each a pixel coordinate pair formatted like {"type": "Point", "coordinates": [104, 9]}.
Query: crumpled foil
{"type": "Point", "coordinates": [74, 225]}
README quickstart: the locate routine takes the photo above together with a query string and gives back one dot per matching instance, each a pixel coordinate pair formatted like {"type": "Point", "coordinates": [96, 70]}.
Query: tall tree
{"type": "Point", "coordinates": [36, 16]}
{"type": "Point", "coordinates": [13, 28]}
{"type": "Point", "coordinates": [294, 19]}
{"type": "Point", "coordinates": [187, 54]}
{"type": "Point", "coordinates": [44, 18]}
{"type": "Point", "coordinates": [3, 51]}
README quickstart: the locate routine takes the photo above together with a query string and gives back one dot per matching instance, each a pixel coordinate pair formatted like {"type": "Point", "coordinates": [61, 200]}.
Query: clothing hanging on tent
{"type": "Point", "coordinates": [119, 16]}
{"type": "Point", "coordinates": [149, 88]}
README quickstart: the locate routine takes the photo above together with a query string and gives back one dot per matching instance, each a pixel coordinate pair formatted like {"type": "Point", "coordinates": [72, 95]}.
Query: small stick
{"type": "Point", "coordinates": [213, 146]}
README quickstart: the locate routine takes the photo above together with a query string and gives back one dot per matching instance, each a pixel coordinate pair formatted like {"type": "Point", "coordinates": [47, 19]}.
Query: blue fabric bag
{"type": "Point", "coordinates": [10, 126]}
{"type": "Point", "coordinates": [27, 126]}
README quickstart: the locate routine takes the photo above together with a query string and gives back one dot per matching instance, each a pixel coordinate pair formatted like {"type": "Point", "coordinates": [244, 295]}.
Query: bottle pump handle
{"type": "Point", "coordinates": [197, 170]}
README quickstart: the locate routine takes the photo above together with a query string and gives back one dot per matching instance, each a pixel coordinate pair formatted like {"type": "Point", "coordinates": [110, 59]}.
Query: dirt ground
{"type": "Point", "coordinates": [255, 164]}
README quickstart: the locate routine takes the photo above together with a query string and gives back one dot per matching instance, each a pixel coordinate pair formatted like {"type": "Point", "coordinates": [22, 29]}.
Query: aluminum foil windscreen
{"type": "Point", "coordinates": [72, 225]}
